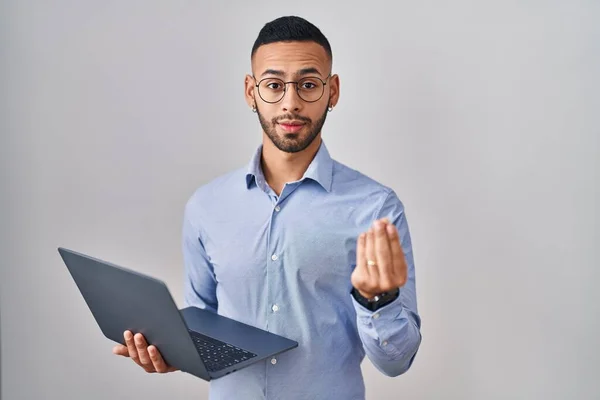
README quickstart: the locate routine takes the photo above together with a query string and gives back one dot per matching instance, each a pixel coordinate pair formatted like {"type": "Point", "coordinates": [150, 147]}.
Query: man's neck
{"type": "Point", "coordinates": [280, 167]}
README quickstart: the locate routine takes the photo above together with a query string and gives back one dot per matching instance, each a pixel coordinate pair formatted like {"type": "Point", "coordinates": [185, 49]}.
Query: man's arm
{"type": "Point", "coordinates": [199, 282]}
{"type": "Point", "coordinates": [390, 335]}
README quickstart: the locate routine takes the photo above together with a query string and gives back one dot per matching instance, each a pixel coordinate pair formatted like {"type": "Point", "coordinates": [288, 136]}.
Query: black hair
{"type": "Point", "coordinates": [289, 29]}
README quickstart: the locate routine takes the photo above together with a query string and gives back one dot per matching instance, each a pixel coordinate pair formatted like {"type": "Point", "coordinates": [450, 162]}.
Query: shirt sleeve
{"type": "Point", "coordinates": [391, 335]}
{"type": "Point", "coordinates": [199, 279]}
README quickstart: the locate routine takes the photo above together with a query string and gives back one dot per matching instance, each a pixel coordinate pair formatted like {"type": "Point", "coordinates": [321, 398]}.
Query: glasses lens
{"type": "Point", "coordinates": [310, 89]}
{"type": "Point", "coordinates": [271, 90]}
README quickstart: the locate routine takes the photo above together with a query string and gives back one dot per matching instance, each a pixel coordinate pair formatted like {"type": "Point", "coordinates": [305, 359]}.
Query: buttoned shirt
{"type": "Point", "coordinates": [283, 263]}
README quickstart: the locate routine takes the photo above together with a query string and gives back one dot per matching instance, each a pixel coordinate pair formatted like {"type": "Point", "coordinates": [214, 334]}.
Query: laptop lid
{"type": "Point", "coordinates": [121, 299]}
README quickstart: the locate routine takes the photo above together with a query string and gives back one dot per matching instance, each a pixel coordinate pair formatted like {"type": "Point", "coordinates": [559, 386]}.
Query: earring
{"type": "Point", "coordinates": [253, 108]}
{"type": "Point", "coordinates": [330, 108]}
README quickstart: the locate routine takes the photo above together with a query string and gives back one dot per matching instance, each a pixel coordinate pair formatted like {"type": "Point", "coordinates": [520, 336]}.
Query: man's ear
{"type": "Point", "coordinates": [334, 94]}
{"type": "Point", "coordinates": [249, 91]}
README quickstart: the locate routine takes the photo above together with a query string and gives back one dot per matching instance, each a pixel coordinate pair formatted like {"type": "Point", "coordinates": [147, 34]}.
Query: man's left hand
{"type": "Point", "coordinates": [380, 262]}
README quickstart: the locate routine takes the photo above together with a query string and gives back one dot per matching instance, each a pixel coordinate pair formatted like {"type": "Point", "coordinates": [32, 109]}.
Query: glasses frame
{"type": "Point", "coordinates": [285, 85]}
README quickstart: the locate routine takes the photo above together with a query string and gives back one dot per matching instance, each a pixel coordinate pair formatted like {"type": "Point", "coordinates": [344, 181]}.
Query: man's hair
{"type": "Point", "coordinates": [291, 29]}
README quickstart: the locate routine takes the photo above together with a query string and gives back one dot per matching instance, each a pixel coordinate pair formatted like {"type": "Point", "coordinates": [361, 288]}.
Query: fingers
{"type": "Point", "coordinates": [372, 256]}
{"type": "Point", "coordinates": [361, 253]}
{"type": "Point", "coordinates": [361, 278]}
{"type": "Point", "coordinates": [148, 357]}
{"type": "Point", "coordinates": [157, 361]}
{"type": "Point", "coordinates": [137, 350]}
{"type": "Point", "coordinates": [399, 260]}
{"type": "Point", "coordinates": [131, 346]}
{"type": "Point", "coordinates": [142, 349]}
{"type": "Point", "coordinates": [383, 254]}
{"type": "Point", "coordinates": [380, 244]}
{"type": "Point", "coordinates": [360, 274]}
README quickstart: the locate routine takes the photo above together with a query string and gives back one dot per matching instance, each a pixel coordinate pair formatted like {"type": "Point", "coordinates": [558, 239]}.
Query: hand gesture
{"type": "Point", "coordinates": [380, 262]}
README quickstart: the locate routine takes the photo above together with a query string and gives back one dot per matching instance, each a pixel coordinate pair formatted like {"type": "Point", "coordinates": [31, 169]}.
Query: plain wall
{"type": "Point", "coordinates": [483, 116]}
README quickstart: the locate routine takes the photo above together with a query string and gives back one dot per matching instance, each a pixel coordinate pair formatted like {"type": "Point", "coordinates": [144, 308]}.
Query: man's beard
{"type": "Point", "coordinates": [292, 142]}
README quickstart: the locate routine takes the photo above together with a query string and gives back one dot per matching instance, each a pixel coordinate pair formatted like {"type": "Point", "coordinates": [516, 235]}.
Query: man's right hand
{"type": "Point", "coordinates": [147, 357]}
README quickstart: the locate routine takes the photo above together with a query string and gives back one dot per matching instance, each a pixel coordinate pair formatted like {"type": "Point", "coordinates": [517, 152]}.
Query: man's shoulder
{"type": "Point", "coordinates": [349, 177]}
{"type": "Point", "coordinates": [372, 194]}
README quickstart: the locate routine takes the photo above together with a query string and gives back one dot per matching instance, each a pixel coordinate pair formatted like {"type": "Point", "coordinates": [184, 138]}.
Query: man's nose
{"type": "Point", "coordinates": [291, 101]}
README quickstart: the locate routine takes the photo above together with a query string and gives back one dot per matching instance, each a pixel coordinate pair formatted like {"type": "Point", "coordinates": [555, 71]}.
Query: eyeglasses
{"type": "Point", "coordinates": [309, 89]}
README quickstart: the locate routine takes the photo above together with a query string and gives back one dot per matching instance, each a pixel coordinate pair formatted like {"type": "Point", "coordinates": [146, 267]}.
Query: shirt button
{"type": "Point", "coordinates": [274, 257]}
{"type": "Point", "coordinates": [275, 308]}
{"type": "Point", "coordinates": [384, 343]}
{"type": "Point", "coordinates": [375, 316]}
{"type": "Point", "coordinates": [277, 208]}
{"type": "Point", "coordinates": [273, 361]}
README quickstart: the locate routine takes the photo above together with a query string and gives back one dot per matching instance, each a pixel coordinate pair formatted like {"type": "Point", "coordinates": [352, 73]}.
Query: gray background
{"type": "Point", "coordinates": [483, 116]}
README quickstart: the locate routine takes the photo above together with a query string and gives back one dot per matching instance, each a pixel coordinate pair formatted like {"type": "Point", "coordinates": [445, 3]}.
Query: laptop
{"type": "Point", "coordinates": [196, 341]}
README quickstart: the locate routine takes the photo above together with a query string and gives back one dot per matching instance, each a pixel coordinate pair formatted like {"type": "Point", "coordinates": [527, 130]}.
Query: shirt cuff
{"type": "Point", "coordinates": [377, 327]}
{"type": "Point", "coordinates": [379, 317]}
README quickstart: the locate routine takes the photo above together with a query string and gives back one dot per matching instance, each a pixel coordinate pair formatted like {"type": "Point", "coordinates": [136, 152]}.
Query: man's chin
{"type": "Point", "coordinates": [289, 143]}
{"type": "Point", "coordinates": [295, 137]}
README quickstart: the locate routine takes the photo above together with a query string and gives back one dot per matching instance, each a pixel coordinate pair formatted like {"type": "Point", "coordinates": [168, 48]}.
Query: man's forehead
{"type": "Point", "coordinates": [291, 58]}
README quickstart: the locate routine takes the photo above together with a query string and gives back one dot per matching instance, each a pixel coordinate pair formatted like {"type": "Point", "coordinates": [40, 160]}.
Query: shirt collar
{"type": "Point", "coordinates": [320, 169]}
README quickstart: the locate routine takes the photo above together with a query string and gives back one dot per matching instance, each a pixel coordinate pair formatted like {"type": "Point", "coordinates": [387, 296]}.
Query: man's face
{"type": "Point", "coordinates": [291, 123]}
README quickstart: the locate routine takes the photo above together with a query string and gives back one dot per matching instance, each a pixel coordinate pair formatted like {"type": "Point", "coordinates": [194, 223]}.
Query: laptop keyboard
{"type": "Point", "coordinates": [218, 355]}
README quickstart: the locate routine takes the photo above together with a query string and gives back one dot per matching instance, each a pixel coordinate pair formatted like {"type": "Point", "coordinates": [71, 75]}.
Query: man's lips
{"type": "Point", "coordinates": [291, 126]}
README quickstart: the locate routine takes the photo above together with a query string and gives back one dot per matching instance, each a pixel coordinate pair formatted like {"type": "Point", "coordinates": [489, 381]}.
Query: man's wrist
{"type": "Point", "coordinates": [366, 295]}
{"type": "Point", "coordinates": [375, 302]}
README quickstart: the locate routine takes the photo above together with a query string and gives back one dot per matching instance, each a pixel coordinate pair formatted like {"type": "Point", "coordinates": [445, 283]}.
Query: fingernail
{"type": "Point", "coordinates": [378, 225]}
{"type": "Point", "coordinates": [391, 228]}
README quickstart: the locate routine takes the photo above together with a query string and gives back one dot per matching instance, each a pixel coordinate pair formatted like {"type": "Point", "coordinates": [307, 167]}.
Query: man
{"type": "Point", "coordinates": [297, 243]}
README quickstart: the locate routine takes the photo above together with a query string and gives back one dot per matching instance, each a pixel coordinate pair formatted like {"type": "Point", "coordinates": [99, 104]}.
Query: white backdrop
{"type": "Point", "coordinates": [483, 116]}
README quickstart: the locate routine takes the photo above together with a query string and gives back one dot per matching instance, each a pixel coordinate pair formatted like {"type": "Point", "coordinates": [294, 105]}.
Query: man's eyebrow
{"type": "Point", "coordinates": [301, 72]}
{"type": "Point", "coordinates": [273, 72]}
{"type": "Point", "coordinates": [309, 70]}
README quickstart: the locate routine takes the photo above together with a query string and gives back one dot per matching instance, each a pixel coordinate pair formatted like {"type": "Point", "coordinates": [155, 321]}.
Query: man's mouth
{"type": "Point", "coordinates": [291, 126]}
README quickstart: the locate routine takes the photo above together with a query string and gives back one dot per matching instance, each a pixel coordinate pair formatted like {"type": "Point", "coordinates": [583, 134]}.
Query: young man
{"type": "Point", "coordinates": [297, 243]}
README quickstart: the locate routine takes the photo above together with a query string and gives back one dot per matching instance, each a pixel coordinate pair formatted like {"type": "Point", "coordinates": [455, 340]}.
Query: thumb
{"type": "Point", "coordinates": [121, 350]}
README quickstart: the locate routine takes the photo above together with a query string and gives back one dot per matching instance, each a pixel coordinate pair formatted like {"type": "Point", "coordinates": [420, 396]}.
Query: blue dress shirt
{"type": "Point", "coordinates": [283, 264]}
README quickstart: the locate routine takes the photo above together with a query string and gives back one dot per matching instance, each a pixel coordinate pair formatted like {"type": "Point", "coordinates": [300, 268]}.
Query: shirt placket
{"type": "Point", "coordinates": [274, 262]}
